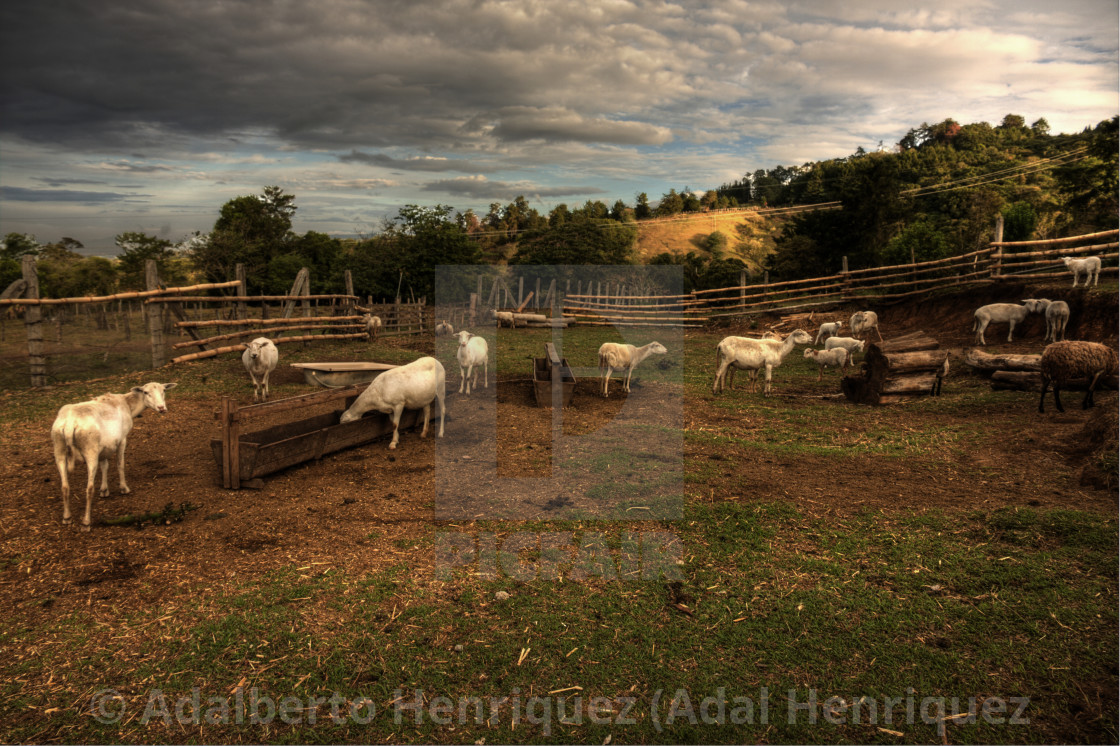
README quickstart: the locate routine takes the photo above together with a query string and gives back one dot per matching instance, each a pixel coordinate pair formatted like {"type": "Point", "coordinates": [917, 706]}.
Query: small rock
{"type": "Point", "coordinates": [458, 648]}
{"type": "Point", "coordinates": [501, 596]}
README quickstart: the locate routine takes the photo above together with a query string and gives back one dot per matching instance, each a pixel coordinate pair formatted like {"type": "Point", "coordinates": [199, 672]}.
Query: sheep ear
{"type": "Point", "coordinates": [138, 389]}
{"type": "Point", "coordinates": [169, 386]}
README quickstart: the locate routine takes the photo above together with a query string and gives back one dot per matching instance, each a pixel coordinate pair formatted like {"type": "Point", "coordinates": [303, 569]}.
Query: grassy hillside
{"type": "Point", "coordinates": [750, 237]}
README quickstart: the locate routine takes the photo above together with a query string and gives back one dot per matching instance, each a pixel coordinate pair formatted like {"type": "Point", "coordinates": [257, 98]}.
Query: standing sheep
{"type": "Point", "coordinates": [622, 357]}
{"type": "Point", "coordinates": [260, 359]}
{"type": "Point", "coordinates": [848, 343]}
{"type": "Point", "coordinates": [1064, 361]}
{"type": "Point", "coordinates": [837, 357]}
{"type": "Point", "coordinates": [999, 312]}
{"type": "Point", "coordinates": [1090, 266]}
{"type": "Point", "coordinates": [1056, 313]}
{"type": "Point", "coordinates": [373, 326]}
{"type": "Point", "coordinates": [753, 355]}
{"type": "Point", "coordinates": [444, 329]}
{"type": "Point", "coordinates": [472, 353]}
{"type": "Point", "coordinates": [828, 329]}
{"type": "Point", "coordinates": [412, 386]}
{"type": "Point", "coordinates": [865, 321]}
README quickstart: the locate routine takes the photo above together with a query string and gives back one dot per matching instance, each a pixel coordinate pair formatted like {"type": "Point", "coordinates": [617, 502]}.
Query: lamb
{"type": "Point", "coordinates": [444, 329]}
{"type": "Point", "coordinates": [1064, 361]}
{"type": "Point", "coordinates": [837, 357]}
{"type": "Point", "coordinates": [848, 343]}
{"type": "Point", "coordinates": [260, 359]}
{"type": "Point", "coordinates": [753, 354]}
{"type": "Point", "coordinates": [865, 321]}
{"type": "Point", "coordinates": [940, 373]}
{"type": "Point", "coordinates": [1090, 266]}
{"type": "Point", "coordinates": [1056, 313]}
{"type": "Point", "coordinates": [472, 352]}
{"type": "Point", "coordinates": [373, 325]}
{"type": "Point", "coordinates": [93, 430]}
{"type": "Point", "coordinates": [830, 329]}
{"type": "Point", "coordinates": [412, 386]}
{"type": "Point", "coordinates": [999, 312]}
{"type": "Point", "coordinates": [624, 357]}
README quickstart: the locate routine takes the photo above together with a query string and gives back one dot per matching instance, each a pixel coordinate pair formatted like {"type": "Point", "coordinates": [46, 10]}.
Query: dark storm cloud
{"type": "Point", "coordinates": [17, 194]}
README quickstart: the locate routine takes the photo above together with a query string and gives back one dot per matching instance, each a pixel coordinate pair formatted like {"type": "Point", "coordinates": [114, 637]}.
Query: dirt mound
{"type": "Point", "coordinates": [1099, 443]}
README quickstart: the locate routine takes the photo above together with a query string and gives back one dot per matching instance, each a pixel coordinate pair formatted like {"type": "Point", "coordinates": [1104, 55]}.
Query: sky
{"type": "Point", "coordinates": [149, 115]}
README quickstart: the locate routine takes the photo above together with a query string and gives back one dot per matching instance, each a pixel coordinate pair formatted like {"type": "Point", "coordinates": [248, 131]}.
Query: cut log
{"type": "Point", "coordinates": [982, 361]}
{"type": "Point", "coordinates": [908, 343]}
{"type": "Point", "coordinates": [918, 384]}
{"type": "Point", "coordinates": [524, 318]}
{"type": "Point", "coordinates": [1025, 380]}
{"type": "Point", "coordinates": [897, 363]}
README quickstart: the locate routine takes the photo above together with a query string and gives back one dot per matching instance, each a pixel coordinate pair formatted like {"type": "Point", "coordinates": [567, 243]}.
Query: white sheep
{"type": "Point", "coordinates": [472, 353]}
{"type": "Point", "coordinates": [260, 359]}
{"type": "Point", "coordinates": [373, 325]}
{"type": "Point", "coordinates": [1009, 313]}
{"type": "Point", "coordinates": [412, 386]}
{"type": "Point", "coordinates": [753, 355]}
{"type": "Point", "coordinates": [865, 321]}
{"type": "Point", "coordinates": [444, 329]}
{"type": "Point", "coordinates": [624, 357]}
{"type": "Point", "coordinates": [93, 430]}
{"type": "Point", "coordinates": [1089, 266]}
{"type": "Point", "coordinates": [504, 318]}
{"type": "Point", "coordinates": [828, 329]}
{"type": "Point", "coordinates": [1056, 313]}
{"type": "Point", "coordinates": [850, 344]}
{"type": "Point", "coordinates": [837, 357]}
{"type": "Point", "coordinates": [730, 377]}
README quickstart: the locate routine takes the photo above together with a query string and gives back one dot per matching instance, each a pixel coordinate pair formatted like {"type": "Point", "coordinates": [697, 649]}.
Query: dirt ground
{"type": "Point", "coordinates": [368, 507]}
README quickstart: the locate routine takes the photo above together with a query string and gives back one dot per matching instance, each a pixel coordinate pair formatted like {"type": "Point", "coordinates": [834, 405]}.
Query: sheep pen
{"type": "Point", "coordinates": [341, 554]}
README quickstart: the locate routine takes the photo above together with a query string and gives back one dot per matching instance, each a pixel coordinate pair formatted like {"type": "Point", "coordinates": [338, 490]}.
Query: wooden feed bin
{"type": "Point", "coordinates": [549, 369]}
{"type": "Point", "coordinates": [896, 370]}
{"type": "Point", "coordinates": [243, 457]}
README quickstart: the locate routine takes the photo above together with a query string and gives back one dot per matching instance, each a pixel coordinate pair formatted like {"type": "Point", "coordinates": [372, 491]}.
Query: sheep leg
{"type": "Point", "coordinates": [91, 458]}
{"type": "Point", "coordinates": [486, 373]}
{"type": "Point", "coordinates": [1010, 329]}
{"type": "Point", "coordinates": [629, 372]}
{"type": "Point", "coordinates": [65, 466]}
{"type": "Point", "coordinates": [766, 390]}
{"type": "Point", "coordinates": [1042, 398]}
{"type": "Point", "coordinates": [396, 417]}
{"type": "Point", "coordinates": [442, 411]}
{"type": "Point", "coordinates": [427, 412]}
{"type": "Point", "coordinates": [462, 378]}
{"type": "Point", "coordinates": [820, 373]}
{"type": "Point", "coordinates": [120, 467]}
{"type": "Point", "coordinates": [1088, 400]}
{"type": "Point", "coordinates": [721, 374]}
{"type": "Point", "coordinates": [266, 373]}
{"type": "Point", "coordinates": [607, 382]}
{"type": "Point", "coordinates": [980, 327]}
{"type": "Point", "coordinates": [1057, 397]}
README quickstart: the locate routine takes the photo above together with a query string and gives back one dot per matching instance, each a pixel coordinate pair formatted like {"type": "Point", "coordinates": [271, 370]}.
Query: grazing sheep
{"type": "Point", "coordinates": [373, 326]}
{"type": "Point", "coordinates": [1064, 361]}
{"type": "Point", "coordinates": [828, 329]}
{"type": "Point", "coordinates": [1056, 313]}
{"type": "Point", "coordinates": [443, 329]}
{"type": "Point", "coordinates": [838, 357]}
{"type": "Point", "coordinates": [412, 386]}
{"type": "Point", "coordinates": [623, 357]}
{"type": "Point", "coordinates": [940, 373]}
{"type": "Point", "coordinates": [752, 355]}
{"type": "Point", "coordinates": [865, 321]}
{"type": "Point", "coordinates": [1010, 313]}
{"type": "Point", "coordinates": [93, 430]}
{"type": "Point", "coordinates": [260, 359]}
{"type": "Point", "coordinates": [1090, 266]}
{"type": "Point", "coordinates": [472, 353]}
{"type": "Point", "coordinates": [848, 343]}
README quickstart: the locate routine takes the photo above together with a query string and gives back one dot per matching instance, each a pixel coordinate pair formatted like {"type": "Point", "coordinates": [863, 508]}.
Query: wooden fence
{"type": "Point", "coordinates": [203, 320]}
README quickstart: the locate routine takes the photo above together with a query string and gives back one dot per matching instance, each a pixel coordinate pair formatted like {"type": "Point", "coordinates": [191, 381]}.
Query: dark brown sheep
{"type": "Point", "coordinates": [1065, 361]}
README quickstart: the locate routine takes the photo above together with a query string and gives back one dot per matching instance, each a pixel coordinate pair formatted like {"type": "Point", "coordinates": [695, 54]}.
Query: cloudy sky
{"type": "Point", "coordinates": [148, 115]}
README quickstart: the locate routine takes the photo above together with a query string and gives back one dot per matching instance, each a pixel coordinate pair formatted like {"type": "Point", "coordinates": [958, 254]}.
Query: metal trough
{"type": "Point", "coordinates": [543, 368]}
{"type": "Point", "coordinates": [337, 375]}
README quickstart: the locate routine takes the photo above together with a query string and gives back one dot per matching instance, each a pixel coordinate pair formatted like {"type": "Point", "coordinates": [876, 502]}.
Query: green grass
{"type": "Point", "coordinates": [776, 601]}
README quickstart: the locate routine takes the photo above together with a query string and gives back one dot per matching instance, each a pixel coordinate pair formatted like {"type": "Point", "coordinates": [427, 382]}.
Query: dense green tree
{"type": "Point", "coordinates": [136, 249]}
{"type": "Point", "coordinates": [250, 230]}
{"type": "Point", "coordinates": [15, 245]}
{"type": "Point", "coordinates": [579, 242]}
{"type": "Point", "coordinates": [671, 204]}
{"type": "Point", "coordinates": [920, 241]}
{"type": "Point", "coordinates": [642, 209]}
{"type": "Point", "coordinates": [1019, 221]}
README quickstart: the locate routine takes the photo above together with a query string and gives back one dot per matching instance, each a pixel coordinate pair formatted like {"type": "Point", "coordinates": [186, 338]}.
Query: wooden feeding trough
{"type": "Point", "coordinates": [338, 375]}
{"type": "Point", "coordinates": [551, 371]}
{"type": "Point", "coordinates": [245, 457]}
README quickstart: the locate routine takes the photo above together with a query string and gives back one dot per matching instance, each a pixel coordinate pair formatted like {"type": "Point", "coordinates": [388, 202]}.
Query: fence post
{"type": "Point", "coordinates": [155, 315]}
{"type": "Point", "coordinates": [996, 255]}
{"type": "Point", "coordinates": [242, 289]}
{"type": "Point", "coordinates": [847, 281]}
{"type": "Point", "coordinates": [537, 297]}
{"type": "Point", "coordinates": [33, 320]}
{"type": "Point", "coordinates": [520, 290]}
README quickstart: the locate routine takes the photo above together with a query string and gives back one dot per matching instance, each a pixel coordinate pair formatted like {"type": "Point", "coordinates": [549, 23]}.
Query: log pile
{"type": "Point", "coordinates": [1021, 372]}
{"type": "Point", "coordinates": [895, 370]}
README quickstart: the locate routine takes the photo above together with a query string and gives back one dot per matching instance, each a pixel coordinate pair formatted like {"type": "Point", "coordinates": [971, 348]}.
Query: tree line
{"type": "Point", "coordinates": [933, 194]}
